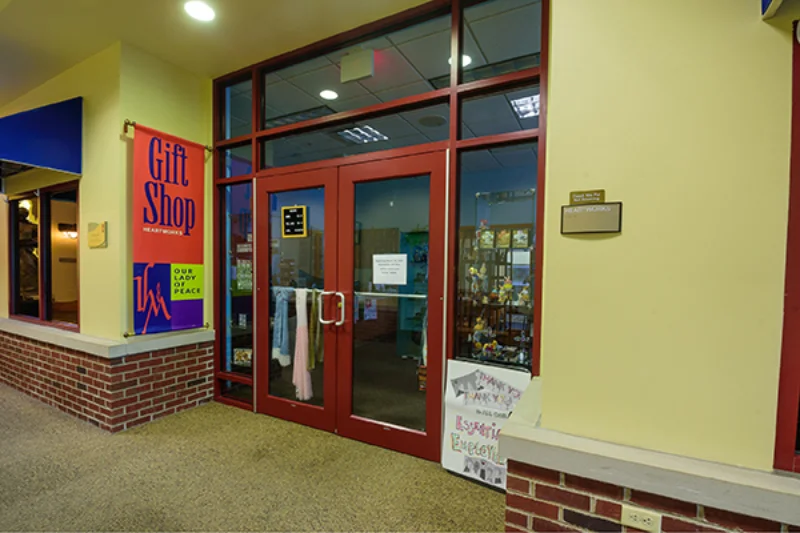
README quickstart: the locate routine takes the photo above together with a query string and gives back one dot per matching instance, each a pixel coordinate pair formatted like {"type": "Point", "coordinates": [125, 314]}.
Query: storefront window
{"type": "Point", "coordinates": [44, 255]}
{"type": "Point", "coordinates": [399, 130]}
{"type": "Point", "coordinates": [237, 107]}
{"type": "Point", "coordinates": [496, 255]}
{"type": "Point", "coordinates": [25, 253]}
{"type": "Point", "coordinates": [400, 64]}
{"type": "Point", "coordinates": [237, 161]}
{"type": "Point", "coordinates": [501, 37]}
{"type": "Point", "coordinates": [237, 297]}
{"type": "Point", "coordinates": [64, 256]}
{"type": "Point", "coordinates": [502, 112]}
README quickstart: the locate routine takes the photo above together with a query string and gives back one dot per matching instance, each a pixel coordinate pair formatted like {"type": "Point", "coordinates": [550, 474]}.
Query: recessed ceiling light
{"type": "Point", "coordinates": [327, 94]}
{"type": "Point", "coordinates": [526, 107]}
{"type": "Point", "coordinates": [362, 135]}
{"type": "Point", "coordinates": [199, 10]}
{"type": "Point", "coordinates": [465, 61]}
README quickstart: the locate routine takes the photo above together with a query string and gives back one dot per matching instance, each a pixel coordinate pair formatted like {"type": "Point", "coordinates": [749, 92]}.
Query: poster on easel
{"type": "Point", "coordinates": [478, 400]}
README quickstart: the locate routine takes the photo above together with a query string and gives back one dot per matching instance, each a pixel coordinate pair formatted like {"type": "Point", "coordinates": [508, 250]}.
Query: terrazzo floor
{"type": "Point", "coordinates": [218, 468]}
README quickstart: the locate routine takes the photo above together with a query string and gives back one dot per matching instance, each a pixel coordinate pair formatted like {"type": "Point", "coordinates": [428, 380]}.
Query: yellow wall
{"type": "Point", "coordinates": [97, 80]}
{"type": "Point", "coordinates": [162, 96]}
{"type": "Point", "coordinates": [667, 336]}
{"type": "Point", "coordinates": [120, 82]}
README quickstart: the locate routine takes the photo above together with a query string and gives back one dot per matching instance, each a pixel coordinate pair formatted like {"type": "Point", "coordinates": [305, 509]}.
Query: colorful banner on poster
{"type": "Point", "coordinates": [168, 176]}
{"type": "Point", "coordinates": [478, 400]}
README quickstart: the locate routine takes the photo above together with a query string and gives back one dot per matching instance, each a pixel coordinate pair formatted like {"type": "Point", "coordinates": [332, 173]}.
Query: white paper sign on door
{"type": "Point", "coordinates": [478, 400]}
{"type": "Point", "coordinates": [390, 269]}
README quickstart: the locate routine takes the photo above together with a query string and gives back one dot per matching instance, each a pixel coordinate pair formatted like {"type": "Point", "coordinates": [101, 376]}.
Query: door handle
{"type": "Point", "coordinates": [321, 304]}
{"type": "Point", "coordinates": [342, 306]}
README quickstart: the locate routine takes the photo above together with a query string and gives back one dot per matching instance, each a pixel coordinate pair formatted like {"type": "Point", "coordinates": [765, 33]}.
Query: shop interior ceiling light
{"type": "Point", "coordinates": [465, 61]}
{"type": "Point", "coordinates": [526, 107]}
{"type": "Point", "coordinates": [327, 94]}
{"type": "Point", "coordinates": [199, 10]}
{"type": "Point", "coordinates": [363, 135]}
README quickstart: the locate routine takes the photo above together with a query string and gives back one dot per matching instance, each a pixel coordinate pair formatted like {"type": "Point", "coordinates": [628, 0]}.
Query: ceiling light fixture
{"type": "Point", "coordinates": [327, 94]}
{"type": "Point", "coordinates": [465, 61]}
{"type": "Point", "coordinates": [362, 135]}
{"type": "Point", "coordinates": [199, 10]}
{"type": "Point", "coordinates": [526, 107]}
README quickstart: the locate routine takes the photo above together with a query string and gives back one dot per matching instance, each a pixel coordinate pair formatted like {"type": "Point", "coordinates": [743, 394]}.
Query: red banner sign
{"type": "Point", "coordinates": [168, 177]}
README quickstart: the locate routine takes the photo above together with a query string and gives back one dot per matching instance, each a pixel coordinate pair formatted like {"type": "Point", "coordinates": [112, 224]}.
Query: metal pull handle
{"type": "Point", "coordinates": [342, 306]}
{"type": "Point", "coordinates": [321, 304]}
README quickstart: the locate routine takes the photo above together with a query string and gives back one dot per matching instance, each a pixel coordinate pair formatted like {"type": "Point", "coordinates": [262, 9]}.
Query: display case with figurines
{"type": "Point", "coordinates": [496, 272]}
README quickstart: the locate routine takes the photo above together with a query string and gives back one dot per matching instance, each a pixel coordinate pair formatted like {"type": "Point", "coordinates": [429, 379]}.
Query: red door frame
{"type": "Point", "coordinates": [786, 457]}
{"type": "Point", "coordinates": [426, 445]}
{"type": "Point", "coordinates": [295, 411]}
{"type": "Point", "coordinates": [339, 176]}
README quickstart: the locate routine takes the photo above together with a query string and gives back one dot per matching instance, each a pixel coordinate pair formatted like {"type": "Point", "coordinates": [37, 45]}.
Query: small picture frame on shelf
{"type": "Point", "coordinates": [503, 239]}
{"type": "Point", "coordinates": [486, 239]}
{"type": "Point", "coordinates": [520, 238]}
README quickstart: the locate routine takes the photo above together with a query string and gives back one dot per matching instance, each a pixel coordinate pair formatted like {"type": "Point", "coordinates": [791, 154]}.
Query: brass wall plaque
{"type": "Point", "coordinates": [595, 218]}
{"type": "Point", "coordinates": [597, 196]}
{"type": "Point", "coordinates": [98, 235]}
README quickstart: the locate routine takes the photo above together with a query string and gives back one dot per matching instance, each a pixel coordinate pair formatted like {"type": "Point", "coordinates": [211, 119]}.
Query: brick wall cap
{"type": "Point", "coordinates": [107, 348]}
{"type": "Point", "coordinates": [756, 493]}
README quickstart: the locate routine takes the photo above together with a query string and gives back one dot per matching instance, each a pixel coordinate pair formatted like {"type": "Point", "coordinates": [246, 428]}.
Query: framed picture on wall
{"type": "Point", "coordinates": [486, 239]}
{"type": "Point", "coordinates": [520, 238]}
{"type": "Point", "coordinates": [503, 238]}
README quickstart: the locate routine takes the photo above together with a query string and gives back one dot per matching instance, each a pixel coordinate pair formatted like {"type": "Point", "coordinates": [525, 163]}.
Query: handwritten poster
{"type": "Point", "coordinates": [168, 277]}
{"type": "Point", "coordinates": [390, 269]}
{"type": "Point", "coordinates": [478, 400]}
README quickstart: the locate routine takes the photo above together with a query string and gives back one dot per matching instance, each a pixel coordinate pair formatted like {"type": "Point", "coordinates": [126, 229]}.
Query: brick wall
{"type": "Point", "coordinates": [546, 500]}
{"type": "Point", "coordinates": [113, 394]}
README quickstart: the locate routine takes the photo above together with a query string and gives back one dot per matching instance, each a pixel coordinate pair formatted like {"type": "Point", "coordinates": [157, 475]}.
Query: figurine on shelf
{"type": "Point", "coordinates": [506, 290]}
{"type": "Point", "coordinates": [485, 300]}
{"type": "Point", "coordinates": [490, 348]}
{"type": "Point", "coordinates": [494, 296]}
{"type": "Point", "coordinates": [484, 279]}
{"type": "Point", "coordinates": [475, 279]}
{"type": "Point", "coordinates": [524, 297]}
{"type": "Point", "coordinates": [479, 333]}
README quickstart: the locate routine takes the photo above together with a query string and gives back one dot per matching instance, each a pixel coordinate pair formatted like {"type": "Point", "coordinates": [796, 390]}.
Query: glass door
{"type": "Point", "coordinates": [390, 280]}
{"type": "Point", "coordinates": [296, 301]}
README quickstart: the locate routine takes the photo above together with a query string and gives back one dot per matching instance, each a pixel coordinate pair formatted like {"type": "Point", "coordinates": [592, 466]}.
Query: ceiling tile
{"type": "Point", "coordinates": [328, 78]}
{"type": "Point", "coordinates": [516, 156]}
{"type": "Point", "coordinates": [490, 115]}
{"type": "Point", "coordinates": [391, 70]}
{"type": "Point", "coordinates": [424, 29]}
{"type": "Point", "coordinates": [429, 54]}
{"type": "Point", "coordinates": [494, 7]}
{"type": "Point", "coordinates": [478, 161]}
{"type": "Point", "coordinates": [474, 52]}
{"type": "Point", "coordinates": [411, 89]}
{"type": "Point", "coordinates": [380, 43]}
{"type": "Point", "coordinates": [283, 98]}
{"type": "Point", "coordinates": [353, 103]}
{"type": "Point", "coordinates": [392, 126]}
{"type": "Point", "coordinates": [509, 34]}
{"type": "Point", "coordinates": [304, 67]}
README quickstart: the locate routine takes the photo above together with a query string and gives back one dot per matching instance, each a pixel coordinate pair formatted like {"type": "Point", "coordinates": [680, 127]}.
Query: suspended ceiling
{"type": "Point", "coordinates": [41, 38]}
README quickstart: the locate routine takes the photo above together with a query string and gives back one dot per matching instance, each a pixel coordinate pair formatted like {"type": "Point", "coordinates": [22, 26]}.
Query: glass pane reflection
{"type": "Point", "coordinates": [297, 358]}
{"type": "Point", "coordinates": [64, 256]}
{"type": "Point", "coordinates": [27, 253]}
{"type": "Point", "coordinates": [390, 332]}
{"type": "Point", "coordinates": [497, 254]}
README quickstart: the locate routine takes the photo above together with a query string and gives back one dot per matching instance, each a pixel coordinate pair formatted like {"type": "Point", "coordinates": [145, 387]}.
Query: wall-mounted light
{"type": "Point", "coordinates": [70, 231]}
